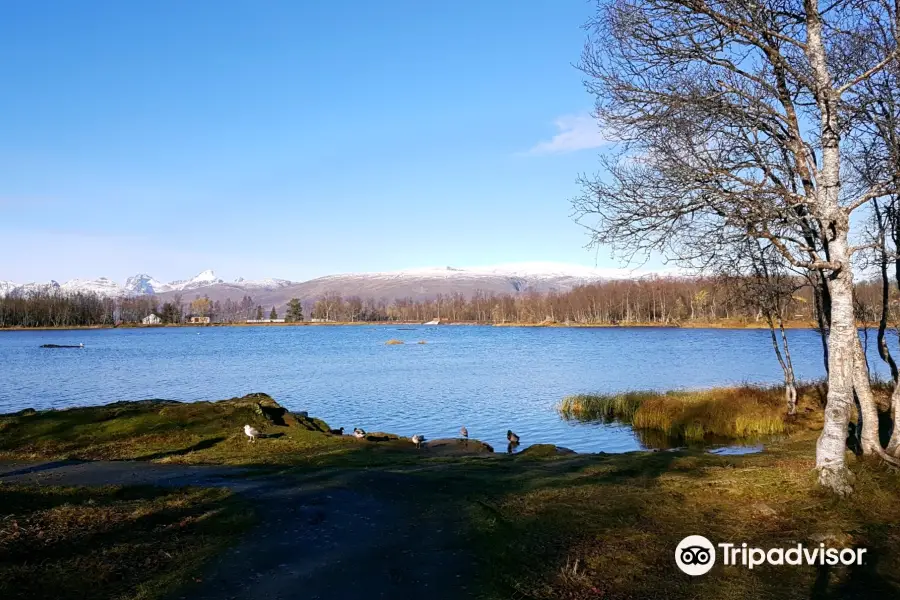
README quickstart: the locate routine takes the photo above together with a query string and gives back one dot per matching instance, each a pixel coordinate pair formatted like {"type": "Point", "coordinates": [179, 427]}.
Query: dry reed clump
{"type": "Point", "coordinates": [737, 412]}
{"type": "Point", "coordinates": [393, 342]}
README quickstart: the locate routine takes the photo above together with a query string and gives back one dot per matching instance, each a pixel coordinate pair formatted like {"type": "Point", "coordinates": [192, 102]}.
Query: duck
{"type": "Point", "coordinates": [251, 432]}
{"type": "Point", "coordinates": [418, 439]}
{"type": "Point", "coordinates": [464, 432]}
{"type": "Point", "coordinates": [359, 433]}
{"type": "Point", "coordinates": [513, 438]}
{"type": "Point", "coordinates": [336, 431]}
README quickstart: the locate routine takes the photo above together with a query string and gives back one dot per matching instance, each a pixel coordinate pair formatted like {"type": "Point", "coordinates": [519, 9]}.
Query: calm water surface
{"type": "Point", "coordinates": [488, 378]}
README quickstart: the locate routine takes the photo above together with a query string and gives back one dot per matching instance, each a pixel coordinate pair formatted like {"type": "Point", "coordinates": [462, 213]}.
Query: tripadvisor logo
{"type": "Point", "coordinates": [696, 555]}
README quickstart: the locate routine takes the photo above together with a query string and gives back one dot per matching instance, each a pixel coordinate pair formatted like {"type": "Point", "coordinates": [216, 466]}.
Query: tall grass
{"type": "Point", "coordinates": [735, 412]}
{"type": "Point", "coordinates": [603, 407]}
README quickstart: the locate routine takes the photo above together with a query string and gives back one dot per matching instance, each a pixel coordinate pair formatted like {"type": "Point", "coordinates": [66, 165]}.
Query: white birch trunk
{"type": "Point", "coordinates": [893, 447]}
{"type": "Point", "coordinates": [869, 439]}
{"type": "Point", "coordinates": [842, 340]}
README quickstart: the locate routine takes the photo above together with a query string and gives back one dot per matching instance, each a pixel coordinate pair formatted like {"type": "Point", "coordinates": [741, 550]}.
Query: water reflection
{"type": "Point", "coordinates": [651, 439]}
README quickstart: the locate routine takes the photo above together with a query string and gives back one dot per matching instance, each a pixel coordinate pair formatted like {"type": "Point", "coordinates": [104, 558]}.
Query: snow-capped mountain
{"type": "Point", "coordinates": [501, 279]}
{"type": "Point", "coordinates": [141, 284]}
{"type": "Point", "coordinates": [6, 287]}
{"type": "Point", "coordinates": [136, 285]}
{"type": "Point", "coordinates": [531, 271]}
{"type": "Point", "coordinates": [28, 288]}
{"type": "Point", "coordinates": [410, 283]}
{"type": "Point", "coordinates": [265, 284]}
{"type": "Point", "coordinates": [144, 284]}
{"type": "Point", "coordinates": [204, 279]}
{"type": "Point", "coordinates": [101, 287]}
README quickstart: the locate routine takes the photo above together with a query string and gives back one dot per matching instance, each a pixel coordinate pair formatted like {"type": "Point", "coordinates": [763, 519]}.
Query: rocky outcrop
{"type": "Point", "coordinates": [457, 446]}
{"type": "Point", "coordinates": [544, 450]}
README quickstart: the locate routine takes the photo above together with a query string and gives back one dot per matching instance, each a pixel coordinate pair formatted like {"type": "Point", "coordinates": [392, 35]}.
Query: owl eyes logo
{"type": "Point", "coordinates": [695, 555]}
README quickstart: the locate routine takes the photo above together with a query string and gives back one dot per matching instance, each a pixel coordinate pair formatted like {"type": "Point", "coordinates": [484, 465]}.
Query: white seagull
{"type": "Point", "coordinates": [251, 432]}
{"type": "Point", "coordinates": [359, 433]}
{"type": "Point", "coordinates": [418, 439]}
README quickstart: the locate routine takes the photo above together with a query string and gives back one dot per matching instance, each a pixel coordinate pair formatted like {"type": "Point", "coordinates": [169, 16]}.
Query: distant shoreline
{"type": "Point", "coordinates": [687, 325]}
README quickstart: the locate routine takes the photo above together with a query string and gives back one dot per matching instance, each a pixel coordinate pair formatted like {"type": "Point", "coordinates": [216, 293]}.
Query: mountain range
{"type": "Point", "coordinates": [418, 284]}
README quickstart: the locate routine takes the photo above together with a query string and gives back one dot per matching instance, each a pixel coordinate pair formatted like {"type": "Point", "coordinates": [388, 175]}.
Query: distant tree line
{"type": "Point", "coordinates": [657, 300]}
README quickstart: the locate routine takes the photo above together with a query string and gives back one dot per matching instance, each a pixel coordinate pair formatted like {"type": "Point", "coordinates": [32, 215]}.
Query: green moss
{"type": "Point", "coordinates": [197, 432]}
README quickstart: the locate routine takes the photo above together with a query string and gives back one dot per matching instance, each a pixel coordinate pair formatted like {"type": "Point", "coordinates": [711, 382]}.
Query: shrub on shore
{"type": "Point", "coordinates": [735, 412]}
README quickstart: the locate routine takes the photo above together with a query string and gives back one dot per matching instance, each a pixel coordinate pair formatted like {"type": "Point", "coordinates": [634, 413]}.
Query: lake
{"type": "Point", "coordinates": [488, 378]}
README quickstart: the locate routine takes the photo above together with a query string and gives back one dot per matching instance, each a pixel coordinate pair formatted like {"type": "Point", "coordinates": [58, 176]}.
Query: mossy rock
{"type": "Point", "coordinates": [457, 446]}
{"type": "Point", "coordinates": [544, 451]}
{"type": "Point", "coordinates": [380, 436]}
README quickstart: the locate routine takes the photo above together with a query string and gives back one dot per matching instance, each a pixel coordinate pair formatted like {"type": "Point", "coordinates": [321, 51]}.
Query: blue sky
{"type": "Point", "coordinates": [289, 139]}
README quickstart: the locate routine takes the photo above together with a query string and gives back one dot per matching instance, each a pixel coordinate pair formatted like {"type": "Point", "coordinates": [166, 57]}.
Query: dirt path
{"type": "Point", "coordinates": [334, 535]}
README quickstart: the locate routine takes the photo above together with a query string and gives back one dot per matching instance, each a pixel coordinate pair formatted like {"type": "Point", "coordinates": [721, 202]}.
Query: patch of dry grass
{"type": "Point", "coordinates": [114, 542]}
{"type": "Point", "coordinates": [735, 412]}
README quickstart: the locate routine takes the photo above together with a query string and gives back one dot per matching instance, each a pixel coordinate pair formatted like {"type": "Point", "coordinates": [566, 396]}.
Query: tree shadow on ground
{"type": "Point", "coordinates": [201, 445]}
{"type": "Point", "coordinates": [862, 581]}
{"type": "Point", "coordinates": [108, 542]}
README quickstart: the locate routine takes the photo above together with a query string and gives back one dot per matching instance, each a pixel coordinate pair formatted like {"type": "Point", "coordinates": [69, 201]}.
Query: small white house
{"type": "Point", "coordinates": [151, 319]}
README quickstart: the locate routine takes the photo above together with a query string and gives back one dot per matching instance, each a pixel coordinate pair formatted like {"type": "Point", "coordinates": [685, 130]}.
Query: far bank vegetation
{"type": "Point", "coordinates": [651, 300]}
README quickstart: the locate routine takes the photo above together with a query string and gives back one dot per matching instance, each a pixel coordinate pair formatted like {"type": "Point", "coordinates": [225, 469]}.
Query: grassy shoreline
{"type": "Point", "coordinates": [539, 524]}
{"type": "Point", "coordinates": [684, 325]}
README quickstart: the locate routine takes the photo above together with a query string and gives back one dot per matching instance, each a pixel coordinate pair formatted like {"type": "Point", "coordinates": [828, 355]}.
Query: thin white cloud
{"type": "Point", "coordinates": [576, 132]}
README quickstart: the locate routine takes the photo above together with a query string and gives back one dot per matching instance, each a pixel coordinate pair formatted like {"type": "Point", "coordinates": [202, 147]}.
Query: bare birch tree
{"type": "Point", "coordinates": [765, 285]}
{"type": "Point", "coordinates": [731, 116]}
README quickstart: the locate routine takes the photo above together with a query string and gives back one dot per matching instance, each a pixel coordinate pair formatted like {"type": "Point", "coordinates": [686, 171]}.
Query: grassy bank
{"type": "Point", "coordinates": [119, 542]}
{"type": "Point", "coordinates": [199, 433]}
{"type": "Point", "coordinates": [735, 412]}
{"type": "Point", "coordinates": [539, 525]}
{"type": "Point", "coordinates": [590, 527]}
